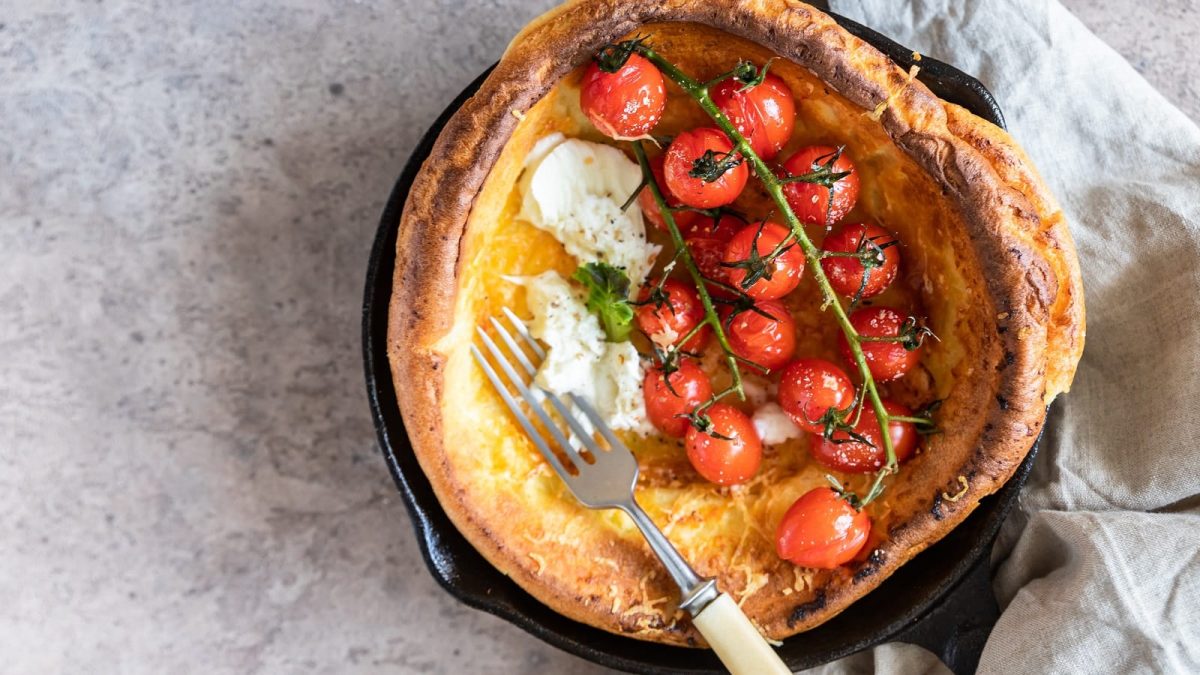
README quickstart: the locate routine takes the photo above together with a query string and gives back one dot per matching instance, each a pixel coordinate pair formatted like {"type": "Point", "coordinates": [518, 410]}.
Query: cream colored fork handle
{"type": "Point", "coordinates": [735, 640]}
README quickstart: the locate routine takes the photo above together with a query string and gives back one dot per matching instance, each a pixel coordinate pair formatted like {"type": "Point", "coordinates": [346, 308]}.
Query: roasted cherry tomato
{"type": "Point", "coordinates": [730, 451]}
{"type": "Point", "coordinates": [846, 274]}
{"type": "Point", "coordinates": [886, 360]}
{"type": "Point", "coordinates": [767, 342]}
{"type": "Point", "coordinates": [765, 113]}
{"type": "Point", "coordinates": [722, 228]}
{"type": "Point", "coordinates": [682, 311]}
{"type": "Point", "coordinates": [667, 405]}
{"type": "Point", "coordinates": [707, 252]}
{"type": "Point", "coordinates": [785, 270]}
{"type": "Point", "coordinates": [625, 104]}
{"type": "Point", "coordinates": [854, 456]}
{"type": "Point", "coordinates": [822, 530]}
{"type": "Point", "coordinates": [809, 387]}
{"type": "Point", "coordinates": [700, 193]}
{"type": "Point", "coordinates": [811, 201]}
{"type": "Point", "coordinates": [707, 246]}
{"type": "Point", "coordinates": [683, 219]}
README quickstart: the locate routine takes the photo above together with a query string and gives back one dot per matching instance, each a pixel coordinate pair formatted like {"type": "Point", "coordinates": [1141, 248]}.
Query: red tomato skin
{"type": "Point", "coordinates": [808, 387]}
{"type": "Point", "coordinates": [625, 104]}
{"type": "Point", "coordinates": [785, 271]}
{"type": "Point", "coordinates": [664, 407]}
{"type": "Point", "coordinates": [887, 361]}
{"type": "Point", "coordinates": [809, 201]}
{"type": "Point", "coordinates": [689, 146]}
{"type": "Point", "coordinates": [845, 274]}
{"type": "Point", "coordinates": [821, 530]}
{"type": "Point", "coordinates": [679, 314]}
{"type": "Point", "coordinates": [856, 457]}
{"type": "Point", "coordinates": [725, 462]}
{"type": "Point", "coordinates": [755, 337]}
{"type": "Point", "coordinates": [684, 220]}
{"type": "Point", "coordinates": [708, 252]}
{"type": "Point", "coordinates": [764, 114]}
{"type": "Point", "coordinates": [723, 229]}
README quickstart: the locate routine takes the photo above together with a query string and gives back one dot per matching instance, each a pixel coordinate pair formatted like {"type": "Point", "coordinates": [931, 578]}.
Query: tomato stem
{"type": "Point", "coordinates": [919, 421]}
{"type": "Point", "coordinates": [812, 255]}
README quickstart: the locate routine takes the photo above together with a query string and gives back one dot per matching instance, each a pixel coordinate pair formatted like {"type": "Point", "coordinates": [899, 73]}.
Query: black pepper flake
{"type": "Point", "coordinates": [1002, 401]}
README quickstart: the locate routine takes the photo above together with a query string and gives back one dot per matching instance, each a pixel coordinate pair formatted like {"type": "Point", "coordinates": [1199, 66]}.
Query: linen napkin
{"type": "Point", "coordinates": [1098, 569]}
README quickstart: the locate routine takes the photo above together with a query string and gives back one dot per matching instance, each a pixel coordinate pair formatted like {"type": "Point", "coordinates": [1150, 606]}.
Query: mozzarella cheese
{"type": "Point", "coordinates": [773, 425]}
{"type": "Point", "coordinates": [758, 389]}
{"type": "Point", "coordinates": [574, 190]}
{"type": "Point", "coordinates": [579, 359]}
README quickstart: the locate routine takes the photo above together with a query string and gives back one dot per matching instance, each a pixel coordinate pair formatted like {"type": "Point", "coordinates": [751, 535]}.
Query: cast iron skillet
{"type": "Point", "coordinates": [941, 600]}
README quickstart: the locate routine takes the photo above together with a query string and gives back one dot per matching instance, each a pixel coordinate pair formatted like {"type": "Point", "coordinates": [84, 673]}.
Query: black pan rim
{"type": "Point", "coordinates": [435, 538]}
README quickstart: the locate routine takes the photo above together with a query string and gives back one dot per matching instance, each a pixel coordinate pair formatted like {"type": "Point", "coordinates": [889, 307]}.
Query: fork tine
{"type": "Point", "coordinates": [520, 326]}
{"type": "Point", "coordinates": [597, 421]}
{"type": "Point", "coordinates": [530, 398]}
{"type": "Point", "coordinates": [584, 436]}
{"type": "Point", "coordinates": [513, 346]}
{"type": "Point", "coordinates": [515, 409]}
{"type": "Point", "coordinates": [569, 416]}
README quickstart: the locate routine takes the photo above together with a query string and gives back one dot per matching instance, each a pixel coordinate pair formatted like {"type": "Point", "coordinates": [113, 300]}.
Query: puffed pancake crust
{"type": "Point", "coordinates": [988, 257]}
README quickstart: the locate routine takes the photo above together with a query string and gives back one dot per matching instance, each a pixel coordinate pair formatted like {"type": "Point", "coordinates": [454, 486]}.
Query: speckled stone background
{"type": "Point", "coordinates": [188, 190]}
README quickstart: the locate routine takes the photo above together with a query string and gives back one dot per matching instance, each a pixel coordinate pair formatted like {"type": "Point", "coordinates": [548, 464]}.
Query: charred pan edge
{"type": "Point", "coordinates": [1021, 240]}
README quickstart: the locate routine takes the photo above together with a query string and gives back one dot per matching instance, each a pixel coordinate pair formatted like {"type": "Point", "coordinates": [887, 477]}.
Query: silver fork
{"type": "Point", "coordinates": [604, 479]}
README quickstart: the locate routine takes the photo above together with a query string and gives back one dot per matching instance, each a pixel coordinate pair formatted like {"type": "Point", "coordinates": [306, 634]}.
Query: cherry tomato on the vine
{"type": "Point", "coordinates": [846, 274]}
{"type": "Point", "coordinates": [730, 452]}
{"type": "Point", "coordinates": [768, 342]}
{"type": "Point", "coordinates": [667, 323]}
{"type": "Point", "coordinates": [722, 228]}
{"type": "Point", "coordinates": [854, 456]}
{"type": "Point", "coordinates": [625, 104]}
{"type": "Point", "coordinates": [785, 270]}
{"type": "Point", "coordinates": [822, 530]}
{"type": "Point", "coordinates": [886, 360]}
{"type": "Point", "coordinates": [707, 252]}
{"type": "Point", "coordinates": [765, 113]}
{"type": "Point", "coordinates": [809, 387]}
{"type": "Point", "coordinates": [810, 201]}
{"type": "Point", "coordinates": [667, 404]}
{"type": "Point", "coordinates": [701, 193]}
{"type": "Point", "coordinates": [683, 219]}
{"type": "Point", "coordinates": [707, 246]}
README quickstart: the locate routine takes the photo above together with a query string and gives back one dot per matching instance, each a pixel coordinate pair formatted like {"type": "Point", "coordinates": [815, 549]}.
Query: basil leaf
{"type": "Point", "coordinates": [608, 298]}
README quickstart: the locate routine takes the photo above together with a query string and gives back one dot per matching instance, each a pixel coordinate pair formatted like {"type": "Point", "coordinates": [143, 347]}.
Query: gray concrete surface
{"type": "Point", "coordinates": [188, 474]}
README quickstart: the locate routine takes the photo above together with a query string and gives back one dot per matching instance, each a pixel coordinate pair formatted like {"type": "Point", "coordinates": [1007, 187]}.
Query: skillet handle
{"type": "Point", "coordinates": [957, 629]}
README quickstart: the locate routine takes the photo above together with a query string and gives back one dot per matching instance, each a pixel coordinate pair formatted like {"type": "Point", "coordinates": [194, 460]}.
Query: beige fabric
{"type": "Point", "coordinates": [1099, 570]}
